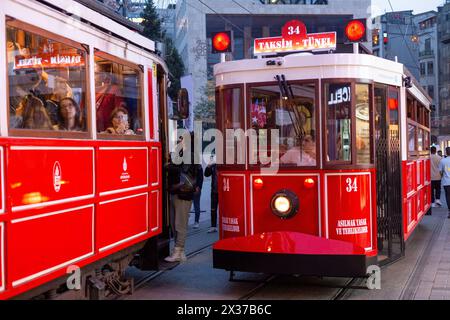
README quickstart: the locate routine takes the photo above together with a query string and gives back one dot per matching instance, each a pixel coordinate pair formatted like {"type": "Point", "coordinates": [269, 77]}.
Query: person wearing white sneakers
{"type": "Point", "coordinates": [183, 183]}
{"type": "Point", "coordinates": [435, 179]}
{"type": "Point", "coordinates": [444, 168]}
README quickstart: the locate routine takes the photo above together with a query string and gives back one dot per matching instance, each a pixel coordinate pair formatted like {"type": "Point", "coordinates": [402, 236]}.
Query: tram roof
{"type": "Point", "coordinates": [98, 16]}
{"type": "Point", "coordinates": [320, 66]}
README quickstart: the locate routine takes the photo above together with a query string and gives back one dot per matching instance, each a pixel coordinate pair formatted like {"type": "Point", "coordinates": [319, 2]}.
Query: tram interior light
{"type": "Point", "coordinates": [356, 31]}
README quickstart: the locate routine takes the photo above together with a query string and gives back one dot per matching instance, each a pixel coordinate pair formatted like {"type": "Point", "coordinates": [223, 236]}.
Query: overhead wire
{"type": "Point", "coordinates": [404, 39]}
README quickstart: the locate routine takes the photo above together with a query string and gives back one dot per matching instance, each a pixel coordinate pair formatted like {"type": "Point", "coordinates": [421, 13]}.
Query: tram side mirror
{"type": "Point", "coordinates": [181, 106]}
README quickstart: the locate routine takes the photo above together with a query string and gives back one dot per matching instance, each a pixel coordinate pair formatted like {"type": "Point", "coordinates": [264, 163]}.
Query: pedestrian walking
{"type": "Point", "coordinates": [183, 184]}
{"type": "Point", "coordinates": [435, 179]}
{"type": "Point", "coordinates": [211, 171]}
{"type": "Point", "coordinates": [197, 196]}
{"type": "Point", "coordinates": [444, 168]}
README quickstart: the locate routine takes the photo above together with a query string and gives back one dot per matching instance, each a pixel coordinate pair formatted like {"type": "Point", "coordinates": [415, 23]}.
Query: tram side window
{"type": "Point", "coordinates": [47, 83]}
{"type": "Point", "coordinates": [118, 99]}
{"type": "Point", "coordinates": [231, 106]}
{"type": "Point", "coordinates": [339, 123]}
{"type": "Point", "coordinates": [292, 117]}
{"type": "Point", "coordinates": [362, 117]}
{"type": "Point", "coordinates": [411, 138]}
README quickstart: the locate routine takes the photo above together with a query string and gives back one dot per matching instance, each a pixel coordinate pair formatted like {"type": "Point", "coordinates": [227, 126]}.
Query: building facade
{"type": "Point", "coordinates": [444, 73]}
{"type": "Point", "coordinates": [427, 32]}
{"type": "Point", "coordinates": [395, 36]}
{"type": "Point", "coordinates": [195, 20]}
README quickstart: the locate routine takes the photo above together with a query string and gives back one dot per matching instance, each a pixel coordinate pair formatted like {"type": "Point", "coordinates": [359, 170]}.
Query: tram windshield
{"type": "Point", "coordinates": [292, 116]}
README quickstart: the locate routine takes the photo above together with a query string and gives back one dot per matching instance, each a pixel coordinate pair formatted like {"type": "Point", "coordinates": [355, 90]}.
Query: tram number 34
{"type": "Point", "coordinates": [352, 185]}
{"type": "Point", "coordinates": [226, 184]}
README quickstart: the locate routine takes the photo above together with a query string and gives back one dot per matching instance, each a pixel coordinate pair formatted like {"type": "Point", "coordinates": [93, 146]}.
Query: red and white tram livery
{"type": "Point", "coordinates": [352, 133]}
{"type": "Point", "coordinates": [80, 149]}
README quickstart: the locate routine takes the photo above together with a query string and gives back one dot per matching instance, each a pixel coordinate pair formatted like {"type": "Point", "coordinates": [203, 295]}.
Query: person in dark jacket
{"type": "Point", "coordinates": [211, 171]}
{"type": "Point", "coordinates": [183, 184]}
{"type": "Point", "coordinates": [197, 197]}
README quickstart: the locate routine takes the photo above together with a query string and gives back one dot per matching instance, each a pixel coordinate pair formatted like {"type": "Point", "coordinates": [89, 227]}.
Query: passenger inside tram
{"type": "Point", "coordinates": [108, 96]}
{"type": "Point", "coordinates": [293, 118]}
{"type": "Point", "coordinates": [303, 154]}
{"type": "Point", "coordinates": [69, 115]}
{"type": "Point", "coordinates": [35, 115]}
{"type": "Point", "coordinates": [119, 122]}
{"type": "Point", "coordinates": [61, 90]}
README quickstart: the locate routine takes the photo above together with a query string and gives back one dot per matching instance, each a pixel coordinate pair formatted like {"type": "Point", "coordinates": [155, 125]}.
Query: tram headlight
{"type": "Point", "coordinates": [284, 204]}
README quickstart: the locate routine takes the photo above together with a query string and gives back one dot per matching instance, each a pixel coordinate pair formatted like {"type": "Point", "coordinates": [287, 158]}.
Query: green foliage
{"type": "Point", "coordinates": [205, 109]}
{"type": "Point", "coordinates": [151, 22]}
{"type": "Point", "coordinates": [153, 30]}
{"type": "Point", "coordinates": [176, 68]}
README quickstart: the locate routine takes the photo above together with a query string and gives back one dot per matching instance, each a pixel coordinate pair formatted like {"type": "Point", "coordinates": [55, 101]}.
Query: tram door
{"type": "Point", "coordinates": [388, 164]}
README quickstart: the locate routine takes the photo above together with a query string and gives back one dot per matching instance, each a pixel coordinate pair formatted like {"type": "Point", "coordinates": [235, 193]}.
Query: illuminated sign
{"type": "Point", "coordinates": [340, 95]}
{"type": "Point", "coordinates": [294, 38]}
{"type": "Point", "coordinates": [49, 61]}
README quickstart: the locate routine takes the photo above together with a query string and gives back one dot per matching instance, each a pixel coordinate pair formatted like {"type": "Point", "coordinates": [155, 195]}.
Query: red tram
{"type": "Point", "coordinates": [352, 133]}
{"type": "Point", "coordinates": [78, 189]}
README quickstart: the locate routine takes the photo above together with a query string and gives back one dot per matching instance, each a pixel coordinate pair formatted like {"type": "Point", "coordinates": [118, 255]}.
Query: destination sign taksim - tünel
{"type": "Point", "coordinates": [294, 38]}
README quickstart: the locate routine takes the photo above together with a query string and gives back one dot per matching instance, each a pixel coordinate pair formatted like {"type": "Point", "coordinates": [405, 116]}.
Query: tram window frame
{"type": "Point", "coordinates": [352, 163]}
{"type": "Point", "coordinates": [52, 134]}
{"type": "Point", "coordinates": [141, 105]}
{"type": "Point", "coordinates": [420, 123]}
{"type": "Point", "coordinates": [282, 167]}
{"type": "Point", "coordinates": [220, 125]}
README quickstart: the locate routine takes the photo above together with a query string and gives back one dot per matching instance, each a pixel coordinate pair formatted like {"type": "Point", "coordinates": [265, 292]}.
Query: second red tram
{"type": "Point", "coordinates": [353, 180]}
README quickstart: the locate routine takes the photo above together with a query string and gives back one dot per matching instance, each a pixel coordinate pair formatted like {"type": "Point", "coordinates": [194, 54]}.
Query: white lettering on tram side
{"type": "Point", "coordinates": [125, 176]}
{"type": "Point", "coordinates": [340, 95]}
{"type": "Point", "coordinates": [230, 224]}
{"type": "Point", "coordinates": [57, 176]}
{"type": "Point", "coordinates": [354, 226]}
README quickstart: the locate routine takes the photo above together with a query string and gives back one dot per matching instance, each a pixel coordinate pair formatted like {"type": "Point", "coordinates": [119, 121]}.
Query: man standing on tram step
{"type": "Point", "coordinates": [211, 171]}
{"type": "Point", "coordinates": [444, 168]}
{"type": "Point", "coordinates": [435, 179]}
{"type": "Point", "coordinates": [197, 196]}
{"type": "Point", "coordinates": [183, 182]}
